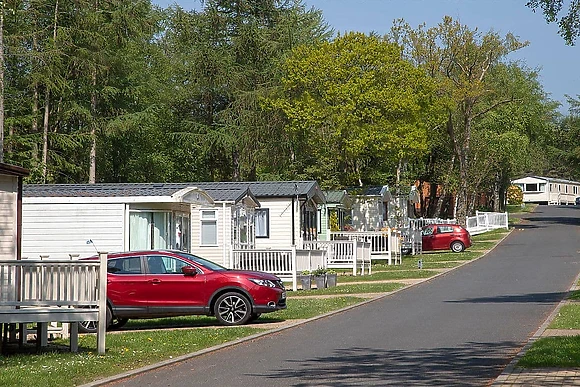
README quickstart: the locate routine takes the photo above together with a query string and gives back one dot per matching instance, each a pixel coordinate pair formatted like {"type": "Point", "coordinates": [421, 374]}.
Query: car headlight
{"type": "Point", "coordinates": [263, 282]}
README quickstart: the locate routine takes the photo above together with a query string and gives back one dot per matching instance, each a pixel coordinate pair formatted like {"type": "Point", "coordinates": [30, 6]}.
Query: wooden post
{"type": "Point", "coordinates": [102, 327]}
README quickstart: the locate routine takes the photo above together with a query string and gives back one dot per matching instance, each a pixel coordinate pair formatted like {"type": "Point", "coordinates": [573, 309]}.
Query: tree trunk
{"type": "Point", "coordinates": [93, 152]}
{"type": "Point", "coordinates": [45, 135]}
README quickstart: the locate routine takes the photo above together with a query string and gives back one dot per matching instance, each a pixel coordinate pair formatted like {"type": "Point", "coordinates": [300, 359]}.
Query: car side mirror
{"type": "Point", "coordinates": [189, 270]}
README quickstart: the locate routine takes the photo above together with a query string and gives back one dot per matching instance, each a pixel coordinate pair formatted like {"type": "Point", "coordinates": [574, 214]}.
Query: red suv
{"type": "Point", "coordinates": [152, 284]}
{"type": "Point", "coordinates": [445, 237]}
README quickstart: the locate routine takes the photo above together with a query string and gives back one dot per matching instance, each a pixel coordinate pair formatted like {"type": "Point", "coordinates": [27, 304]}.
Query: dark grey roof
{"type": "Point", "coordinates": [102, 190]}
{"type": "Point", "coordinates": [335, 197]}
{"type": "Point", "coordinates": [219, 191]}
{"type": "Point", "coordinates": [368, 190]}
{"type": "Point", "coordinates": [272, 189]}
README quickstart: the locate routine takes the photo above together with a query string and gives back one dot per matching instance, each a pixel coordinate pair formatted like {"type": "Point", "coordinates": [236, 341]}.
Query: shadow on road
{"type": "Point", "coordinates": [474, 364]}
{"type": "Point", "coordinates": [538, 298]}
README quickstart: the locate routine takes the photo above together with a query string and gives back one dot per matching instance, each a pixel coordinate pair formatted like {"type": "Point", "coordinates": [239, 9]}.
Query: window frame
{"type": "Point", "coordinates": [257, 218]}
{"type": "Point", "coordinates": [213, 221]}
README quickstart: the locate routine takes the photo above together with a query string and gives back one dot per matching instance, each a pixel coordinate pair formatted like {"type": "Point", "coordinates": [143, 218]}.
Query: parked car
{"type": "Point", "coordinates": [152, 284]}
{"type": "Point", "coordinates": [578, 201]}
{"type": "Point", "coordinates": [445, 237]}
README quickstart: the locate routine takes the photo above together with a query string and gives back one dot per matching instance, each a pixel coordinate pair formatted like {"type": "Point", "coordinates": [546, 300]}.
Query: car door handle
{"type": "Point", "coordinates": [155, 281]}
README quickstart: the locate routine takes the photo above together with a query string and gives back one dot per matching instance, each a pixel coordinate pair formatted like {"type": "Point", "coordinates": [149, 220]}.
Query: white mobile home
{"type": "Point", "coordinates": [548, 190]}
{"type": "Point", "coordinates": [63, 220]}
{"type": "Point", "coordinates": [334, 215]}
{"type": "Point", "coordinates": [228, 224]}
{"type": "Point", "coordinates": [10, 210]}
{"type": "Point", "coordinates": [370, 208]}
{"type": "Point", "coordinates": [288, 210]}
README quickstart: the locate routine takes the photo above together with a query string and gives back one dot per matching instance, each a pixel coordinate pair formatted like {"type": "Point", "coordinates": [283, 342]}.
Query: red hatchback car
{"type": "Point", "coordinates": [445, 237]}
{"type": "Point", "coordinates": [152, 284]}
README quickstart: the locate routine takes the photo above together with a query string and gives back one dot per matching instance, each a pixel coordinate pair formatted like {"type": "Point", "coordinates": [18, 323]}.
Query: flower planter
{"type": "Point", "coordinates": [330, 280]}
{"type": "Point", "coordinates": [320, 281]}
{"type": "Point", "coordinates": [305, 281]}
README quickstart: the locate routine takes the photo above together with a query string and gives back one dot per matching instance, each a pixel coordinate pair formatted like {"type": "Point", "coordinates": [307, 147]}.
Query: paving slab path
{"type": "Point", "coordinates": [459, 329]}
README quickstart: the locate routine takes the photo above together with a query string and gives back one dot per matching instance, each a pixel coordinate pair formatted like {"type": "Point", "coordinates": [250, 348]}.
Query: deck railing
{"type": "Point", "coordinates": [341, 254]}
{"type": "Point", "coordinates": [385, 244]}
{"type": "Point", "coordinates": [42, 291]}
{"type": "Point", "coordinates": [284, 263]}
{"type": "Point", "coordinates": [486, 221]}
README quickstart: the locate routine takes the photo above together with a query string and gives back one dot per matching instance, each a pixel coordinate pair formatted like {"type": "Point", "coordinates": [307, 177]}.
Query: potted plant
{"type": "Point", "coordinates": [320, 277]}
{"type": "Point", "coordinates": [330, 278]}
{"type": "Point", "coordinates": [305, 279]}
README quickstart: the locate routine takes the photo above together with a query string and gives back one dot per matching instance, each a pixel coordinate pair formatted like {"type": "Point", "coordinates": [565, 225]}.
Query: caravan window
{"type": "Point", "coordinates": [531, 187]}
{"type": "Point", "coordinates": [208, 228]}
{"type": "Point", "coordinates": [262, 223]}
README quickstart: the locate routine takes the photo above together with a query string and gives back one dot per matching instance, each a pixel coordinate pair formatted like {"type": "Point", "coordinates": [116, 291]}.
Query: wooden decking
{"type": "Point", "coordinates": [43, 291]}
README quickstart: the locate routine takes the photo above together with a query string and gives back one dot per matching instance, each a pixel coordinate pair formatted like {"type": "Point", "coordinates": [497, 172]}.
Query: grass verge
{"type": "Point", "coordinates": [557, 352]}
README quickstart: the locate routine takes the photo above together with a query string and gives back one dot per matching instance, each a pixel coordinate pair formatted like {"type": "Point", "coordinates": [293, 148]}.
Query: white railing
{"type": "Point", "coordinates": [412, 240]}
{"type": "Point", "coordinates": [384, 244]}
{"type": "Point", "coordinates": [418, 223]}
{"type": "Point", "coordinates": [284, 263]}
{"type": "Point", "coordinates": [486, 221]}
{"type": "Point", "coordinates": [43, 291]}
{"type": "Point", "coordinates": [341, 254]}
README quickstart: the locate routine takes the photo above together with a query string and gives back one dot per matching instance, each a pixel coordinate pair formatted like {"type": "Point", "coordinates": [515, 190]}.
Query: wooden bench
{"type": "Point", "coordinates": [43, 291]}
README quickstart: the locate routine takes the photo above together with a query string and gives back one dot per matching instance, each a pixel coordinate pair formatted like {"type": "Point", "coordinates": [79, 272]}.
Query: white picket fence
{"type": "Point", "coordinates": [344, 254]}
{"type": "Point", "coordinates": [486, 221]}
{"type": "Point", "coordinates": [385, 244]}
{"type": "Point", "coordinates": [44, 291]}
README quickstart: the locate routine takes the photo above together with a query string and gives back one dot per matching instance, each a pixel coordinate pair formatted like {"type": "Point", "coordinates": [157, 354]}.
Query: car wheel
{"type": "Point", "coordinates": [232, 309]}
{"type": "Point", "coordinates": [457, 247]}
{"type": "Point", "coordinates": [93, 326]}
{"type": "Point", "coordinates": [117, 323]}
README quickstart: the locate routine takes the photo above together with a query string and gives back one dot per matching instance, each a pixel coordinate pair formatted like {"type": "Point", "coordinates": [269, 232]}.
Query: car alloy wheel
{"type": "Point", "coordinates": [93, 326]}
{"type": "Point", "coordinates": [232, 309]}
{"type": "Point", "coordinates": [457, 247]}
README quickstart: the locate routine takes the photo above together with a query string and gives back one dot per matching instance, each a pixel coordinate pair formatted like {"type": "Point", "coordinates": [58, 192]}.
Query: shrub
{"type": "Point", "coordinates": [515, 195]}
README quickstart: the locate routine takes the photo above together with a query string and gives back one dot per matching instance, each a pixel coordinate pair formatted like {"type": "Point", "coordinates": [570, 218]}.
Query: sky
{"type": "Point", "coordinates": [557, 63]}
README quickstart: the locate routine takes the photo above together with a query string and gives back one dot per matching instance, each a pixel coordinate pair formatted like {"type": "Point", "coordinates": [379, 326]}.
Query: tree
{"type": "Point", "coordinates": [351, 104]}
{"type": "Point", "coordinates": [459, 59]}
{"type": "Point", "coordinates": [568, 21]}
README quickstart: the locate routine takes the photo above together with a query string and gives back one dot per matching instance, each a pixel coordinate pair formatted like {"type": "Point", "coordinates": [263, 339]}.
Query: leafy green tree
{"type": "Point", "coordinates": [351, 103]}
{"type": "Point", "coordinates": [555, 12]}
{"type": "Point", "coordinates": [460, 60]}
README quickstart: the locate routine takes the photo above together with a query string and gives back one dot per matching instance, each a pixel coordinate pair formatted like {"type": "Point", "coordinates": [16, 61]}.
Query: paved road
{"type": "Point", "coordinates": [459, 329]}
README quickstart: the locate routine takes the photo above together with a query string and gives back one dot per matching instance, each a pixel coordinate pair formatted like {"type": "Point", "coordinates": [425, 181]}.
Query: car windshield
{"type": "Point", "coordinates": [203, 262]}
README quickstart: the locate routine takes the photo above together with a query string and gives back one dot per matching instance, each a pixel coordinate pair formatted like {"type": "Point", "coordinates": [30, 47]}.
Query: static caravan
{"type": "Point", "coordinates": [401, 207]}
{"type": "Point", "coordinates": [548, 190]}
{"type": "Point", "coordinates": [229, 223]}
{"type": "Point", "coordinates": [335, 214]}
{"type": "Point", "coordinates": [10, 210]}
{"type": "Point", "coordinates": [288, 210]}
{"type": "Point", "coordinates": [370, 207]}
{"type": "Point", "coordinates": [69, 220]}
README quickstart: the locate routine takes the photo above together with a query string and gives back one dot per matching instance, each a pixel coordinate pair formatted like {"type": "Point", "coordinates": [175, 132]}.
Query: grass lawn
{"type": "Point", "coordinates": [557, 352]}
{"type": "Point", "coordinates": [568, 318]}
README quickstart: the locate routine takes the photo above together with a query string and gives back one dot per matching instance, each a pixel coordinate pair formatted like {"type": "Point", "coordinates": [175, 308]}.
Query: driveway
{"type": "Point", "coordinates": [459, 329]}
